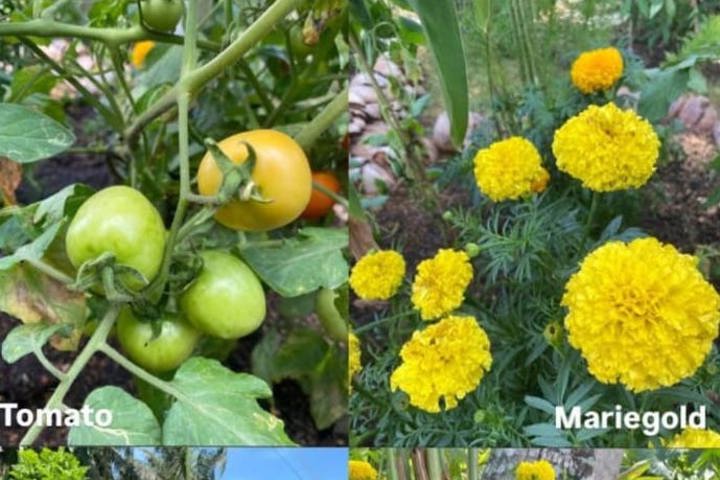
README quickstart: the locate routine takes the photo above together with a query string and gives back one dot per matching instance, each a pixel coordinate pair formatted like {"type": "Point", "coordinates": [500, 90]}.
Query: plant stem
{"type": "Point", "coordinates": [591, 213]}
{"type": "Point", "coordinates": [392, 464]}
{"type": "Point", "coordinates": [337, 198]}
{"type": "Point", "coordinates": [121, 360]}
{"type": "Point", "coordinates": [473, 464]}
{"type": "Point", "coordinates": [323, 120]}
{"type": "Point", "coordinates": [56, 400]}
{"type": "Point", "coordinates": [433, 462]}
{"type": "Point", "coordinates": [50, 271]}
{"type": "Point", "coordinates": [200, 76]}
{"type": "Point", "coordinates": [56, 372]}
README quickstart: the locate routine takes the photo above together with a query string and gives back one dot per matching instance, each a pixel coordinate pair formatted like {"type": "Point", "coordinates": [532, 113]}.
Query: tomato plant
{"type": "Point", "coordinates": [121, 245]}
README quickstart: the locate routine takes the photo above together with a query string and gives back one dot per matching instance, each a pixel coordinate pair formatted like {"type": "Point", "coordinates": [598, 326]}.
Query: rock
{"type": "Point", "coordinates": [365, 92]}
{"type": "Point", "coordinates": [355, 99]}
{"type": "Point", "coordinates": [375, 178]}
{"type": "Point", "coordinates": [386, 67]}
{"type": "Point", "coordinates": [716, 133]}
{"type": "Point", "coordinates": [676, 106]}
{"type": "Point", "coordinates": [441, 131]}
{"type": "Point", "coordinates": [373, 111]}
{"type": "Point", "coordinates": [693, 110]}
{"type": "Point", "coordinates": [707, 121]}
{"type": "Point", "coordinates": [357, 125]}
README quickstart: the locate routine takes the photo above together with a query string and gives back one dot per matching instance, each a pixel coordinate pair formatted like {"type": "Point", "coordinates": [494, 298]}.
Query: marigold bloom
{"type": "Point", "coordinates": [360, 470]}
{"type": "Point", "coordinates": [695, 438]}
{"type": "Point", "coordinates": [510, 169]}
{"type": "Point", "coordinates": [378, 275]}
{"type": "Point", "coordinates": [440, 283]}
{"type": "Point", "coordinates": [354, 363]}
{"type": "Point", "coordinates": [539, 470]}
{"type": "Point", "coordinates": [140, 51]}
{"type": "Point", "coordinates": [444, 361]}
{"type": "Point", "coordinates": [607, 148]}
{"type": "Point", "coordinates": [597, 70]}
{"type": "Point", "coordinates": [641, 314]}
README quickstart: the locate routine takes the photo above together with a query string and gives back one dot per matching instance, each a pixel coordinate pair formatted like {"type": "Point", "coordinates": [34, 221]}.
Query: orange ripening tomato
{"type": "Point", "coordinates": [140, 52]}
{"type": "Point", "coordinates": [320, 204]}
{"type": "Point", "coordinates": [282, 175]}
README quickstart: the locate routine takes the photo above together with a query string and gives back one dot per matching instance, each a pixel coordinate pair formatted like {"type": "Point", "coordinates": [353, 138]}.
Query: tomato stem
{"type": "Point", "coordinates": [323, 120]}
{"type": "Point", "coordinates": [56, 400]}
{"type": "Point", "coordinates": [50, 271]}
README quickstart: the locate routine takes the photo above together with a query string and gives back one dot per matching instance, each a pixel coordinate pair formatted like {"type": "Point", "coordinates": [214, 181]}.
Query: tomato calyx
{"type": "Point", "coordinates": [237, 183]}
{"type": "Point", "coordinates": [104, 272]}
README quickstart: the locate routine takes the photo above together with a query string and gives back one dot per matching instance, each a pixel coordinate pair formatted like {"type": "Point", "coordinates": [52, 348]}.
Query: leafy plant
{"type": "Point", "coordinates": [47, 465]}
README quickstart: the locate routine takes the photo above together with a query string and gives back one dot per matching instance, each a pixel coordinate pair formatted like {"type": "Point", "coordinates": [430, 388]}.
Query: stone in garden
{"type": "Point", "coordinates": [441, 131]}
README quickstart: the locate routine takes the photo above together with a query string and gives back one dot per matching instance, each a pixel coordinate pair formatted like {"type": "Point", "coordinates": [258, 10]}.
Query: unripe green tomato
{"type": "Point", "coordinates": [119, 220]}
{"type": "Point", "coordinates": [174, 344]}
{"type": "Point", "coordinates": [226, 300]}
{"type": "Point", "coordinates": [297, 42]}
{"type": "Point", "coordinates": [162, 15]}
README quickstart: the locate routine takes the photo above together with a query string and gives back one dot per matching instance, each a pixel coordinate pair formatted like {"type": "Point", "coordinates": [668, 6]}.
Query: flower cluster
{"type": "Point", "coordinates": [361, 470]}
{"type": "Point", "coordinates": [597, 70]}
{"type": "Point", "coordinates": [440, 283]}
{"type": "Point", "coordinates": [445, 361]}
{"type": "Point", "coordinates": [695, 438]}
{"type": "Point", "coordinates": [539, 470]}
{"type": "Point", "coordinates": [641, 314]}
{"type": "Point", "coordinates": [607, 148]}
{"type": "Point", "coordinates": [354, 364]}
{"type": "Point", "coordinates": [510, 169]}
{"type": "Point", "coordinates": [378, 275]}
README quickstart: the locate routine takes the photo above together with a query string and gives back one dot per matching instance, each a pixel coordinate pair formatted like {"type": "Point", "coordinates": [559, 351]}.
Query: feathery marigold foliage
{"type": "Point", "coordinates": [440, 283]}
{"type": "Point", "coordinates": [378, 275]}
{"type": "Point", "coordinates": [140, 52]}
{"type": "Point", "coordinates": [597, 70]}
{"type": "Point", "coordinates": [540, 470]}
{"type": "Point", "coordinates": [510, 169]}
{"type": "Point", "coordinates": [695, 438]}
{"type": "Point", "coordinates": [445, 361]}
{"type": "Point", "coordinates": [354, 362]}
{"type": "Point", "coordinates": [360, 470]}
{"type": "Point", "coordinates": [607, 148]}
{"type": "Point", "coordinates": [641, 314]}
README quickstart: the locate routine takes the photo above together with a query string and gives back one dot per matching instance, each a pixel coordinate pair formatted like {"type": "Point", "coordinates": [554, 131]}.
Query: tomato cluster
{"type": "Point", "coordinates": [226, 299]}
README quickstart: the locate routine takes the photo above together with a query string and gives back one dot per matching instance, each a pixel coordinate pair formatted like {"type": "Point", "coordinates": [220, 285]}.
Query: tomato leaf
{"type": "Point", "coordinates": [442, 30]}
{"type": "Point", "coordinates": [216, 406]}
{"type": "Point", "coordinates": [10, 177]}
{"type": "Point", "coordinates": [31, 251]}
{"type": "Point", "coordinates": [301, 265]}
{"type": "Point", "coordinates": [28, 136]}
{"type": "Point", "coordinates": [25, 339]}
{"type": "Point", "coordinates": [133, 423]}
{"type": "Point", "coordinates": [32, 297]}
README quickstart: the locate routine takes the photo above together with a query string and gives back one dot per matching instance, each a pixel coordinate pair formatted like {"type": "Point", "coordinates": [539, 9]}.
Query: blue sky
{"type": "Point", "coordinates": [286, 464]}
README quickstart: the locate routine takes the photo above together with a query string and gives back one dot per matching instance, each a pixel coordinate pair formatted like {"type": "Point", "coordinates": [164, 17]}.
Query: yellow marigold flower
{"type": "Point", "coordinates": [140, 51]}
{"type": "Point", "coordinates": [360, 470]}
{"type": "Point", "coordinates": [695, 438]}
{"type": "Point", "coordinates": [510, 169]}
{"type": "Point", "coordinates": [354, 363]}
{"type": "Point", "coordinates": [540, 470]}
{"type": "Point", "coordinates": [607, 148]}
{"type": "Point", "coordinates": [440, 283]}
{"type": "Point", "coordinates": [597, 70]}
{"type": "Point", "coordinates": [641, 314]}
{"type": "Point", "coordinates": [378, 275]}
{"type": "Point", "coordinates": [445, 361]}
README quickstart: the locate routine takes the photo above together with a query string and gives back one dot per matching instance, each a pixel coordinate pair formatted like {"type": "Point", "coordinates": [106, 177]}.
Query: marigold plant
{"type": "Point", "coordinates": [539, 470]}
{"type": "Point", "coordinates": [597, 70]}
{"type": "Point", "coordinates": [361, 470]}
{"type": "Point", "coordinates": [641, 314]}
{"type": "Point", "coordinates": [607, 148]}
{"type": "Point", "coordinates": [440, 283]}
{"type": "Point", "coordinates": [354, 362]}
{"type": "Point", "coordinates": [695, 438]}
{"type": "Point", "coordinates": [510, 169]}
{"type": "Point", "coordinates": [378, 275]}
{"type": "Point", "coordinates": [445, 361]}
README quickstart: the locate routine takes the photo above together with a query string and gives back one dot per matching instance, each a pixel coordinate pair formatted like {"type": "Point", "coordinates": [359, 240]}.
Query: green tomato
{"type": "Point", "coordinates": [226, 300]}
{"type": "Point", "coordinates": [162, 15]}
{"type": "Point", "coordinates": [173, 345]}
{"type": "Point", "coordinates": [119, 220]}
{"type": "Point", "coordinates": [330, 317]}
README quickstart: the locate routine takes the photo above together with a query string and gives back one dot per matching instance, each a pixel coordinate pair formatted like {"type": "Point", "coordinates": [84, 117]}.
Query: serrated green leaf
{"type": "Point", "coordinates": [133, 423]}
{"type": "Point", "coordinates": [216, 406]}
{"type": "Point", "coordinates": [302, 265]}
{"type": "Point", "coordinates": [28, 136]}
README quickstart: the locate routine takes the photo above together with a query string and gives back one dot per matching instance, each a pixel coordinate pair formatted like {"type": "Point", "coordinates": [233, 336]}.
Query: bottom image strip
{"type": "Point", "coordinates": [174, 463]}
{"type": "Point", "coordinates": [533, 464]}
